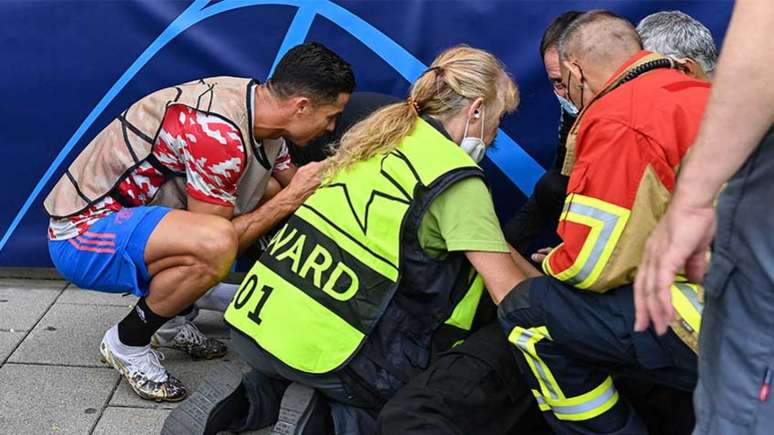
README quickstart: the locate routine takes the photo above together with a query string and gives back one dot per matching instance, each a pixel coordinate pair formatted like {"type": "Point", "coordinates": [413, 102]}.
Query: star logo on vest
{"type": "Point", "coordinates": [393, 165]}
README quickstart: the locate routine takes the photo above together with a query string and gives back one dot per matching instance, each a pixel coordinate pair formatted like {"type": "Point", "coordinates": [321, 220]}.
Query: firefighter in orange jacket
{"type": "Point", "coordinates": [574, 326]}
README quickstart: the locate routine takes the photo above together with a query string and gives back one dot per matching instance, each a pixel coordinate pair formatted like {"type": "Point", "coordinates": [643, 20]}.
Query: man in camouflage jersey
{"type": "Point", "coordinates": [163, 199]}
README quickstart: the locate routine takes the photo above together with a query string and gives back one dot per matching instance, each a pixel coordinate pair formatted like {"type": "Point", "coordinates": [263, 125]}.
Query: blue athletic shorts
{"type": "Point", "coordinates": [109, 257]}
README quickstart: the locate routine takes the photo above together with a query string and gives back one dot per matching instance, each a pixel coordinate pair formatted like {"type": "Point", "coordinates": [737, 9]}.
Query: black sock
{"type": "Point", "coordinates": [139, 325]}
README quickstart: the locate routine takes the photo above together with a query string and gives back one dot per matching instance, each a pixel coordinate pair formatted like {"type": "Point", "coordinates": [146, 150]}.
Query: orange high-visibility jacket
{"type": "Point", "coordinates": [623, 165]}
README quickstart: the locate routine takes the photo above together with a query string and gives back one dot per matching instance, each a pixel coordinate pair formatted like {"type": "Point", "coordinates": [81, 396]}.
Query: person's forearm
{"type": "Point", "coordinates": [524, 266]}
{"type": "Point", "coordinates": [251, 226]}
{"type": "Point", "coordinates": [284, 177]}
{"type": "Point", "coordinates": [499, 272]}
{"type": "Point", "coordinates": [739, 111]}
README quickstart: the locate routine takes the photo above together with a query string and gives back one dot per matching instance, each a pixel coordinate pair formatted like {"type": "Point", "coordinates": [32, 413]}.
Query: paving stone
{"type": "Point", "coordinates": [68, 335]}
{"type": "Point", "coordinates": [264, 431]}
{"type": "Point", "coordinates": [120, 420]}
{"type": "Point", "coordinates": [8, 341]}
{"type": "Point", "coordinates": [210, 322]}
{"type": "Point", "coordinates": [52, 400]}
{"type": "Point", "coordinates": [23, 302]}
{"type": "Point", "coordinates": [44, 284]}
{"type": "Point", "coordinates": [76, 295]}
{"type": "Point", "coordinates": [190, 372]}
{"type": "Point", "coordinates": [130, 421]}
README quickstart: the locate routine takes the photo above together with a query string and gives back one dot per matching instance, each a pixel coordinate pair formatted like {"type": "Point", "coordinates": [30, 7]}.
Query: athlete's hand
{"type": "Point", "coordinates": [680, 241]}
{"type": "Point", "coordinates": [306, 180]}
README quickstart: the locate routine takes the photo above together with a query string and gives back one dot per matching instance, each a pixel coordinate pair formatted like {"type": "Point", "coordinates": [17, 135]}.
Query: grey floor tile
{"type": "Point", "coordinates": [23, 302]}
{"type": "Point", "coordinates": [44, 284]}
{"type": "Point", "coordinates": [124, 396]}
{"type": "Point", "coordinates": [75, 295]}
{"type": "Point", "coordinates": [210, 322]}
{"type": "Point", "coordinates": [8, 341]}
{"type": "Point", "coordinates": [47, 399]}
{"type": "Point", "coordinates": [130, 421]}
{"type": "Point", "coordinates": [264, 431]}
{"type": "Point", "coordinates": [68, 335]}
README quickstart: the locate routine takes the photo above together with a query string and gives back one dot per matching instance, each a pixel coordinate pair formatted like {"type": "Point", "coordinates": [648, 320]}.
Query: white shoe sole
{"type": "Point", "coordinates": [106, 357]}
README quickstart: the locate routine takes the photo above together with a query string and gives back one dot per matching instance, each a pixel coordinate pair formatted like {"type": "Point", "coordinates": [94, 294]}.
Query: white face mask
{"type": "Point", "coordinates": [474, 146]}
{"type": "Point", "coordinates": [567, 106]}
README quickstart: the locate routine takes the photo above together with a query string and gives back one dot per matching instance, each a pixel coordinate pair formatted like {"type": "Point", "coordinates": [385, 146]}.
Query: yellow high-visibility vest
{"type": "Point", "coordinates": [330, 273]}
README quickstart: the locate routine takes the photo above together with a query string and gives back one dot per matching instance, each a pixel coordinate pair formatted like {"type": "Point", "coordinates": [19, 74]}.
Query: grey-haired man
{"type": "Point", "coordinates": [678, 35]}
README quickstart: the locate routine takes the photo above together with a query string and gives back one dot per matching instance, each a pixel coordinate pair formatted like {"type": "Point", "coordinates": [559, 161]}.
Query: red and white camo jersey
{"type": "Point", "coordinates": [206, 148]}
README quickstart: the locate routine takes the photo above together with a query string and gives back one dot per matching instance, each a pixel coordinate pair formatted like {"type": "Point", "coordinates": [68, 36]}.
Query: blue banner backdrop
{"type": "Point", "coordinates": [70, 66]}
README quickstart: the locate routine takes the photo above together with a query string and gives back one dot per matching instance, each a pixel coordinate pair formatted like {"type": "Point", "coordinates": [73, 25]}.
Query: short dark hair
{"type": "Point", "coordinates": [555, 29]}
{"type": "Point", "coordinates": [314, 70]}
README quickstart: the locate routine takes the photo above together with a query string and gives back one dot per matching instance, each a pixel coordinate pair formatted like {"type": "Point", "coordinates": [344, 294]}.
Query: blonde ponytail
{"type": "Point", "coordinates": [456, 77]}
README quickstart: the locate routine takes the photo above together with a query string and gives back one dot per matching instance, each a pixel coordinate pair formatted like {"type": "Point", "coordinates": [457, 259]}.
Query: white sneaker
{"type": "Point", "coordinates": [186, 337]}
{"type": "Point", "coordinates": [142, 370]}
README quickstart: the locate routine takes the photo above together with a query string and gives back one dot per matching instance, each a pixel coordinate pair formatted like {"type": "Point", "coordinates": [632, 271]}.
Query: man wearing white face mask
{"type": "Point", "coordinates": [539, 216]}
{"type": "Point", "coordinates": [575, 326]}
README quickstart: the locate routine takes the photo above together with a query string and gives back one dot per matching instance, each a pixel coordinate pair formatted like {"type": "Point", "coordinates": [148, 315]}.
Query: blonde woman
{"type": "Point", "coordinates": [377, 269]}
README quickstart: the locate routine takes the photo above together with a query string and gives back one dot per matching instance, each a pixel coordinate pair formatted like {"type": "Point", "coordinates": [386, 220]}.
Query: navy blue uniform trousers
{"type": "Point", "coordinates": [573, 342]}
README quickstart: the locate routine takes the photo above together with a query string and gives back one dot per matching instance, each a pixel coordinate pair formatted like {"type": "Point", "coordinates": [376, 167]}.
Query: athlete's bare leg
{"type": "Point", "coordinates": [186, 254]}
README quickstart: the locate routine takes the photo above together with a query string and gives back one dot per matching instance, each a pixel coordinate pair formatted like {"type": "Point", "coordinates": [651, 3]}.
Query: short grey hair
{"type": "Point", "coordinates": [676, 34]}
{"type": "Point", "coordinates": [598, 35]}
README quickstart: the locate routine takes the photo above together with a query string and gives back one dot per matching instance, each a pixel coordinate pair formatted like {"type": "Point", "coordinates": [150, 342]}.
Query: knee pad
{"type": "Point", "coordinates": [517, 298]}
{"type": "Point", "coordinates": [516, 309]}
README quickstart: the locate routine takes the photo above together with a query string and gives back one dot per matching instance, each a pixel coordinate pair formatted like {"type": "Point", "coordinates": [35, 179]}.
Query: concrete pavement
{"type": "Point", "coordinates": [51, 379]}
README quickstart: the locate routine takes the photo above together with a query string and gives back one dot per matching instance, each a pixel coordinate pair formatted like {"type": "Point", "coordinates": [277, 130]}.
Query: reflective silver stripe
{"type": "Point", "coordinates": [609, 222]}
{"type": "Point", "coordinates": [523, 339]}
{"type": "Point", "coordinates": [691, 295]}
{"type": "Point", "coordinates": [521, 342]}
{"type": "Point", "coordinates": [542, 404]}
{"type": "Point", "coordinates": [586, 406]}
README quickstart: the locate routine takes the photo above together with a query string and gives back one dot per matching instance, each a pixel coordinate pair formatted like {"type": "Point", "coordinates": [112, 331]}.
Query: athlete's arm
{"type": "Point", "coordinates": [273, 187]}
{"type": "Point", "coordinates": [251, 226]}
{"type": "Point", "coordinates": [284, 169]}
{"type": "Point", "coordinates": [284, 177]}
{"type": "Point", "coordinates": [197, 206]}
